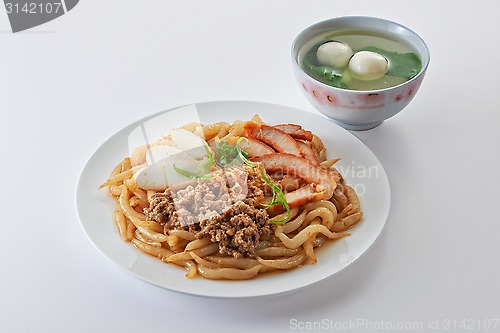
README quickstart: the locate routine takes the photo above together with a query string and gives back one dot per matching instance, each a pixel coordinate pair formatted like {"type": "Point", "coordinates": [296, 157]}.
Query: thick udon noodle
{"type": "Point", "coordinates": [292, 245]}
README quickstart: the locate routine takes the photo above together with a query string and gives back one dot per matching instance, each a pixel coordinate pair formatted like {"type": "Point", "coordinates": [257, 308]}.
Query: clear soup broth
{"type": "Point", "coordinates": [403, 62]}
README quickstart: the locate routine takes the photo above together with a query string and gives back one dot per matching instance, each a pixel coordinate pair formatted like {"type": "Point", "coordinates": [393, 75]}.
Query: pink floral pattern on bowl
{"type": "Point", "coordinates": [360, 101]}
{"type": "Point", "coordinates": [320, 95]}
{"type": "Point", "coordinates": [407, 94]}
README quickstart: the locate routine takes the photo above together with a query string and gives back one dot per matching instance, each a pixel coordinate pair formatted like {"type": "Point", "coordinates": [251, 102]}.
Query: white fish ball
{"type": "Point", "coordinates": [368, 66]}
{"type": "Point", "coordinates": [334, 54]}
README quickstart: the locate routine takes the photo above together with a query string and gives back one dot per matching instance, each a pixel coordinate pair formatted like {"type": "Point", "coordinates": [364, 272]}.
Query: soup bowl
{"type": "Point", "coordinates": [359, 109]}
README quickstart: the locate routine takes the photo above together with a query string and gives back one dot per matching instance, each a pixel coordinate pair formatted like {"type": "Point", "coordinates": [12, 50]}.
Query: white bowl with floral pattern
{"type": "Point", "coordinates": [360, 109]}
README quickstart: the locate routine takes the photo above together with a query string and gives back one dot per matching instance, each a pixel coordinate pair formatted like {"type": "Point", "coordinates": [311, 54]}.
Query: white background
{"type": "Point", "coordinates": [68, 85]}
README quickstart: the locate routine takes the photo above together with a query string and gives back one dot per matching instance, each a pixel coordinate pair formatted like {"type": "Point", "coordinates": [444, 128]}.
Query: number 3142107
{"type": "Point", "coordinates": [471, 324]}
{"type": "Point", "coordinates": [33, 8]}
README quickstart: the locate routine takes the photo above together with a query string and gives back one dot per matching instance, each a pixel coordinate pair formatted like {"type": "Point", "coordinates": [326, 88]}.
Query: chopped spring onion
{"type": "Point", "coordinates": [200, 175]}
{"type": "Point", "coordinates": [243, 154]}
{"type": "Point", "coordinates": [203, 169]}
{"type": "Point", "coordinates": [278, 198]}
{"type": "Point", "coordinates": [229, 155]}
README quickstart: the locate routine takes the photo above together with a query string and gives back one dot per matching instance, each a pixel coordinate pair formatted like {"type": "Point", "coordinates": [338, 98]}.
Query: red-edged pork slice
{"type": "Point", "coordinates": [295, 131]}
{"type": "Point", "coordinates": [273, 137]}
{"type": "Point", "coordinates": [308, 152]}
{"type": "Point", "coordinates": [303, 195]}
{"type": "Point", "coordinates": [252, 146]}
{"type": "Point", "coordinates": [300, 167]}
{"type": "Point", "coordinates": [291, 183]}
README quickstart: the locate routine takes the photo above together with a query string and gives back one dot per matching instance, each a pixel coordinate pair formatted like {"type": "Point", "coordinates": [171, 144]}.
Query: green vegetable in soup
{"type": "Point", "coordinates": [403, 65]}
{"type": "Point", "coordinates": [329, 75]}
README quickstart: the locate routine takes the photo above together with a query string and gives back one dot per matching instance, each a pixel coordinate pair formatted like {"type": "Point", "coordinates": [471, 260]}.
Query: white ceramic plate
{"type": "Point", "coordinates": [360, 168]}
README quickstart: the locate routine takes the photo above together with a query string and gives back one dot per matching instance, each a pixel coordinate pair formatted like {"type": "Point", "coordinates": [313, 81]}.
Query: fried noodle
{"type": "Point", "coordinates": [318, 214]}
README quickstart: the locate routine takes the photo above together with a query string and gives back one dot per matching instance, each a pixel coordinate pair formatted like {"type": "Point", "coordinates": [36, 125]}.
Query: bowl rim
{"type": "Point", "coordinates": [420, 74]}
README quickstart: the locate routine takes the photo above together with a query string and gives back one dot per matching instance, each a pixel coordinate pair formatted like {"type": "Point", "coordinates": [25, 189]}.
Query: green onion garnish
{"type": "Point", "coordinates": [203, 168]}
{"type": "Point", "coordinates": [200, 175]}
{"type": "Point", "coordinates": [278, 198]}
{"type": "Point", "coordinates": [243, 154]}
